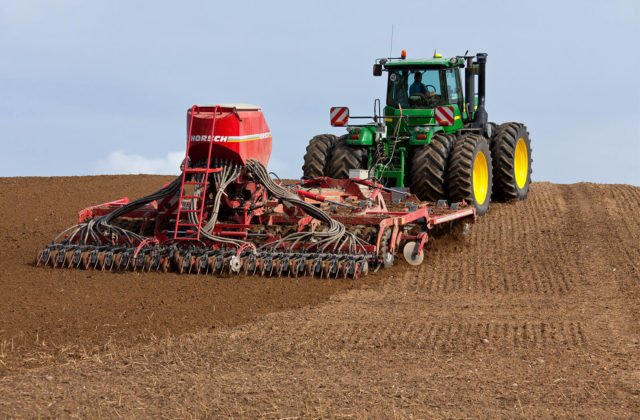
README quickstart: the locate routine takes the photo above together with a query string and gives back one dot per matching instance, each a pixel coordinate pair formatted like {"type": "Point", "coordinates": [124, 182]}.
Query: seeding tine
{"type": "Point", "coordinates": [257, 267]}
{"type": "Point", "coordinates": [84, 259]}
{"type": "Point", "coordinates": [40, 257]}
{"type": "Point", "coordinates": [117, 261]}
{"type": "Point", "coordinates": [251, 264]}
{"type": "Point", "coordinates": [285, 266]}
{"type": "Point", "coordinates": [193, 264]}
{"type": "Point", "coordinates": [179, 260]}
{"type": "Point", "coordinates": [77, 258]}
{"type": "Point", "coordinates": [68, 259]}
{"type": "Point", "coordinates": [201, 263]}
{"type": "Point", "coordinates": [245, 262]}
{"type": "Point", "coordinates": [334, 268]}
{"type": "Point", "coordinates": [327, 267]}
{"type": "Point", "coordinates": [275, 268]}
{"type": "Point", "coordinates": [277, 265]}
{"type": "Point", "coordinates": [196, 264]}
{"type": "Point", "coordinates": [187, 262]}
{"type": "Point", "coordinates": [93, 258]}
{"type": "Point", "coordinates": [317, 267]}
{"type": "Point", "coordinates": [280, 265]}
{"type": "Point", "coordinates": [43, 257]}
{"type": "Point", "coordinates": [266, 265]}
{"type": "Point", "coordinates": [140, 261]}
{"type": "Point", "coordinates": [111, 259]}
{"type": "Point", "coordinates": [146, 265]}
{"type": "Point", "coordinates": [211, 264]}
{"type": "Point", "coordinates": [60, 259]}
{"type": "Point", "coordinates": [219, 265]}
{"type": "Point", "coordinates": [165, 264]}
{"type": "Point", "coordinates": [342, 269]}
{"type": "Point", "coordinates": [154, 261]}
{"type": "Point", "coordinates": [302, 266]}
{"type": "Point", "coordinates": [122, 260]}
{"type": "Point", "coordinates": [293, 268]}
{"type": "Point", "coordinates": [52, 257]}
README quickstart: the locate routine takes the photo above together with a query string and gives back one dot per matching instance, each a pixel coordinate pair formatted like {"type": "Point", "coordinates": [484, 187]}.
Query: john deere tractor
{"type": "Point", "coordinates": [432, 137]}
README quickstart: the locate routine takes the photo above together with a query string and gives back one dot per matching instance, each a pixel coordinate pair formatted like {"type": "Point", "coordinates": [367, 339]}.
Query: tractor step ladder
{"type": "Point", "coordinates": [186, 230]}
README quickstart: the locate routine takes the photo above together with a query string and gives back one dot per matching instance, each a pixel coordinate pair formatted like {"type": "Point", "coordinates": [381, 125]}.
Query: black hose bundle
{"type": "Point", "coordinates": [336, 234]}
{"type": "Point", "coordinates": [101, 230]}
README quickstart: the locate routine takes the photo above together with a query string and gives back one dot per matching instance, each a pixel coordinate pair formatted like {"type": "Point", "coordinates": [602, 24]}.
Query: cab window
{"type": "Point", "coordinates": [452, 85]}
{"type": "Point", "coordinates": [416, 88]}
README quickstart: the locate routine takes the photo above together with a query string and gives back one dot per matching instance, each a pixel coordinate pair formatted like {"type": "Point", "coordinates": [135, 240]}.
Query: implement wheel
{"type": "Point", "coordinates": [345, 157]}
{"type": "Point", "coordinates": [429, 168]}
{"type": "Point", "coordinates": [470, 173]}
{"type": "Point", "coordinates": [511, 154]}
{"type": "Point", "coordinates": [317, 156]}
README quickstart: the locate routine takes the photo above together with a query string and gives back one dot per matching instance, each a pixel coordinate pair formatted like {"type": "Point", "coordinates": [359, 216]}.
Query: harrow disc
{"type": "Point", "coordinates": [410, 254]}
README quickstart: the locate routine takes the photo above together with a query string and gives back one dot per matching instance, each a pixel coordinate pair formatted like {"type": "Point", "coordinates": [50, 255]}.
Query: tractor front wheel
{"type": "Point", "coordinates": [344, 158]}
{"type": "Point", "coordinates": [470, 172]}
{"type": "Point", "coordinates": [511, 154]}
{"type": "Point", "coordinates": [317, 156]}
{"type": "Point", "coordinates": [429, 168]}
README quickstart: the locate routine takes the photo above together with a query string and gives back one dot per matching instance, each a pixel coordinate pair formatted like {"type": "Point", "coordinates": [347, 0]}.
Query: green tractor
{"type": "Point", "coordinates": [431, 137]}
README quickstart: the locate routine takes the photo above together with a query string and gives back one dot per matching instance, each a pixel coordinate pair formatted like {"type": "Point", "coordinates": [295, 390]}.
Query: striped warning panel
{"type": "Point", "coordinates": [444, 115]}
{"type": "Point", "coordinates": [339, 116]}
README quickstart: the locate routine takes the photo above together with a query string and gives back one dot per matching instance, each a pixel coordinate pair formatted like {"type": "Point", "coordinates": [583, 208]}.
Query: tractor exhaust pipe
{"type": "Point", "coordinates": [469, 89]}
{"type": "Point", "coordinates": [481, 59]}
{"type": "Point", "coordinates": [481, 117]}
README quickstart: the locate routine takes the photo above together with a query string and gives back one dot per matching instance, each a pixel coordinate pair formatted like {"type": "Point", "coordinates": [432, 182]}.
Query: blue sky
{"type": "Point", "coordinates": [103, 87]}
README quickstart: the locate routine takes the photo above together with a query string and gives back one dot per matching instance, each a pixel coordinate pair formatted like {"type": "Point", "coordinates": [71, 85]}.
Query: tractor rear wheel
{"type": "Point", "coordinates": [470, 173]}
{"type": "Point", "coordinates": [345, 157]}
{"type": "Point", "coordinates": [511, 155]}
{"type": "Point", "coordinates": [317, 156]}
{"type": "Point", "coordinates": [429, 168]}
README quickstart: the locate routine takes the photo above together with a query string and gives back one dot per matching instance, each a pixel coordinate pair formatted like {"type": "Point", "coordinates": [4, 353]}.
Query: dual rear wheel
{"type": "Point", "coordinates": [328, 155]}
{"type": "Point", "coordinates": [454, 169]}
{"type": "Point", "coordinates": [511, 152]}
{"type": "Point", "coordinates": [474, 168]}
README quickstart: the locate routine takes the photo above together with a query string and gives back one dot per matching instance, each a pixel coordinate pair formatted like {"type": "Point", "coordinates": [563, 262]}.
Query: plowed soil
{"type": "Point", "coordinates": [536, 314]}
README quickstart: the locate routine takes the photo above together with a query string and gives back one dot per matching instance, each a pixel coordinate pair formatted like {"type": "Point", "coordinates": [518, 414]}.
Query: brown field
{"type": "Point", "coordinates": [537, 314]}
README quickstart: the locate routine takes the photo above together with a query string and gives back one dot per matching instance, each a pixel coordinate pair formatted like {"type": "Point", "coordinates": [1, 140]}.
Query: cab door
{"type": "Point", "coordinates": [454, 96]}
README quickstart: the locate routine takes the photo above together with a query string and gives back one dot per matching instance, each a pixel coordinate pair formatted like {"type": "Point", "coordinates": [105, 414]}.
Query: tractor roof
{"type": "Point", "coordinates": [426, 62]}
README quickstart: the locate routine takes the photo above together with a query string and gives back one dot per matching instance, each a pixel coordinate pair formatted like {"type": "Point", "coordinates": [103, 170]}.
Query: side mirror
{"type": "Point", "coordinates": [377, 69]}
{"type": "Point", "coordinates": [339, 116]}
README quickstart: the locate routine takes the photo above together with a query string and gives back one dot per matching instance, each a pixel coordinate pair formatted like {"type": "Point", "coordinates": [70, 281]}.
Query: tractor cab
{"type": "Point", "coordinates": [429, 92]}
{"type": "Point", "coordinates": [423, 87]}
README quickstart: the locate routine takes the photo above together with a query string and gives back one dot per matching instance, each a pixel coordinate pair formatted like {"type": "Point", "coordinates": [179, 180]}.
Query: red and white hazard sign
{"type": "Point", "coordinates": [444, 115]}
{"type": "Point", "coordinates": [339, 116]}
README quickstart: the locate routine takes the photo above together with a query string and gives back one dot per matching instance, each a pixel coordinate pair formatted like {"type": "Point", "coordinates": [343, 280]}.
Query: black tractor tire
{"type": "Point", "coordinates": [462, 182]}
{"type": "Point", "coordinates": [492, 130]}
{"type": "Point", "coordinates": [511, 155]}
{"type": "Point", "coordinates": [429, 166]}
{"type": "Point", "coordinates": [345, 157]}
{"type": "Point", "coordinates": [317, 156]}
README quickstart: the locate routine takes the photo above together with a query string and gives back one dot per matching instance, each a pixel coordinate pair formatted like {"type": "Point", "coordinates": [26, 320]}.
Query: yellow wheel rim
{"type": "Point", "coordinates": [521, 163]}
{"type": "Point", "coordinates": [480, 178]}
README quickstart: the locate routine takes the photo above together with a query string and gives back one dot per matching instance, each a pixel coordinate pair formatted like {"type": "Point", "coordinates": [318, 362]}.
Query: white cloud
{"type": "Point", "coordinates": [121, 162]}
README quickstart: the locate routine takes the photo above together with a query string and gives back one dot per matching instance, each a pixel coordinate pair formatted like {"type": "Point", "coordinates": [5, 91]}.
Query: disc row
{"type": "Point", "coordinates": [204, 261]}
